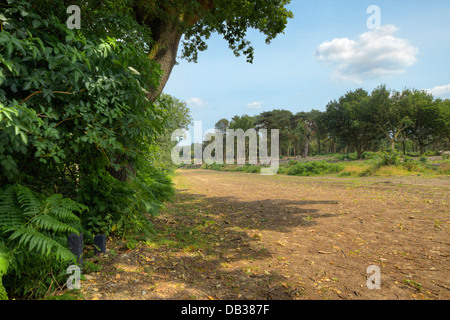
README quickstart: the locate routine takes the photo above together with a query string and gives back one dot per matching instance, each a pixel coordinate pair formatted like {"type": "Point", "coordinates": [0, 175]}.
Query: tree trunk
{"type": "Point", "coordinates": [319, 148]}
{"type": "Point", "coordinates": [167, 42]}
{"type": "Point", "coordinates": [167, 35]}
{"type": "Point", "coordinates": [305, 152]}
{"type": "Point", "coordinates": [167, 39]}
{"type": "Point", "coordinates": [359, 152]}
{"type": "Point", "coordinates": [421, 148]}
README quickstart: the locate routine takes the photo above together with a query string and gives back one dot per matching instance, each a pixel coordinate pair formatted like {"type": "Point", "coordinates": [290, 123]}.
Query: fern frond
{"type": "Point", "coordinates": [11, 217]}
{"type": "Point", "coordinates": [10, 212]}
{"type": "Point", "coordinates": [49, 223]}
{"type": "Point", "coordinates": [3, 295]}
{"type": "Point", "coordinates": [5, 259]}
{"type": "Point", "coordinates": [57, 201]}
{"type": "Point", "coordinates": [41, 243]}
{"type": "Point", "coordinates": [8, 196]}
{"type": "Point", "coordinates": [29, 203]}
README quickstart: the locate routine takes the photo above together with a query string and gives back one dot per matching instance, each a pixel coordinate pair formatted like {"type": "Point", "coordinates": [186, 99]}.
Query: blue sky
{"type": "Point", "coordinates": [326, 50]}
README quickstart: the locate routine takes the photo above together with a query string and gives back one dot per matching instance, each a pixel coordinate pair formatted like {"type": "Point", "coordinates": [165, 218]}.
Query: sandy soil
{"type": "Point", "coordinates": [232, 235]}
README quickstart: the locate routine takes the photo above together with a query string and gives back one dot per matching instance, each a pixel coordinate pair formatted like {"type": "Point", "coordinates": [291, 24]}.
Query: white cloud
{"type": "Point", "coordinates": [440, 91]}
{"type": "Point", "coordinates": [255, 105]}
{"type": "Point", "coordinates": [197, 104]}
{"type": "Point", "coordinates": [376, 53]}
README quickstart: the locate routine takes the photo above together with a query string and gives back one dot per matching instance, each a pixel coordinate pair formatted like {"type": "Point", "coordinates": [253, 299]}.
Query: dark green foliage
{"type": "Point", "coordinates": [33, 235]}
{"type": "Point", "coordinates": [74, 120]}
{"type": "Point", "coordinates": [69, 103]}
{"type": "Point", "coordinates": [313, 168]}
{"type": "Point", "coordinates": [389, 158]}
{"type": "Point", "coordinates": [410, 164]}
{"type": "Point", "coordinates": [73, 112]}
{"type": "Point", "coordinates": [231, 20]}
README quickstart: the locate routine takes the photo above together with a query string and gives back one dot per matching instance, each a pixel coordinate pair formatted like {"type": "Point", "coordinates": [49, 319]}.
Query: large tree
{"type": "Point", "coordinates": [351, 120]}
{"type": "Point", "coordinates": [391, 112]}
{"type": "Point", "coordinates": [160, 26]}
{"type": "Point", "coordinates": [157, 29]}
{"type": "Point", "coordinates": [309, 123]}
{"type": "Point", "coordinates": [426, 121]}
{"type": "Point", "coordinates": [279, 119]}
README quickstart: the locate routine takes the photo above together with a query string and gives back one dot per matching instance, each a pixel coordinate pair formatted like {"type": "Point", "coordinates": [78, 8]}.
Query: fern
{"type": "Point", "coordinates": [41, 243]}
{"type": "Point", "coordinates": [10, 212]}
{"type": "Point", "coordinates": [27, 201]}
{"type": "Point", "coordinates": [4, 264]}
{"type": "Point", "coordinates": [34, 230]}
{"type": "Point", "coordinates": [35, 223]}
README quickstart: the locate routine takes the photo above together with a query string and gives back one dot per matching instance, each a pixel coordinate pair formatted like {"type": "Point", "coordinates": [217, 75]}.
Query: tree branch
{"type": "Point", "coordinates": [39, 92]}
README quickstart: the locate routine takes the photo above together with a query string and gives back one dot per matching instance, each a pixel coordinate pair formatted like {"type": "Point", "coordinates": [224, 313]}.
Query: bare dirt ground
{"type": "Point", "coordinates": [232, 235]}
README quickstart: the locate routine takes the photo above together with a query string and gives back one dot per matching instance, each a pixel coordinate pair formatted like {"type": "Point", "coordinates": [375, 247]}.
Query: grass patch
{"type": "Point", "coordinates": [393, 171]}
{"type": "Point", "coordinates": [354, 169]}
{"type": "Point", "coordinates": [388, 163]}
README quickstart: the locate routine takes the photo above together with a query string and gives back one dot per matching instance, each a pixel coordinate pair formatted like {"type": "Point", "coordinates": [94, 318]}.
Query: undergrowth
{"type": "Point", "coordinates": [390, 162]}
{"type": "Point", "coordinates": [33, 237]}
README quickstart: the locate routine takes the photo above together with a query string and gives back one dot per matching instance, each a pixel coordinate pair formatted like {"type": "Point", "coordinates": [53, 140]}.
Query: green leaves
{"type": "Point", "coordinates": [4, 264]}
{"type": "Point", "coordinates": [63, 93]}
{"type": "Point", "coordinates": [37, 241]}
{"type": "Point", "coordinates": [28, 222]}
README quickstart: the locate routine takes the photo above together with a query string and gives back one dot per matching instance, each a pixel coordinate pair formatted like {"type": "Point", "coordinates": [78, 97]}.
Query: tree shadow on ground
{"type": "Point", "coordinates": [205, 247]}
{"type": "Point", "coordinates": [269, 214]}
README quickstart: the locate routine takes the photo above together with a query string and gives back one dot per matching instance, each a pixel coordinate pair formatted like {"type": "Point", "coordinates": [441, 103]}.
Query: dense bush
{"type": "Point", "coordinates": [314, 168]}
{"type": "Point", "coordinates": [75, 121]}
{"type": "Point", "coordinates": [388, 158]}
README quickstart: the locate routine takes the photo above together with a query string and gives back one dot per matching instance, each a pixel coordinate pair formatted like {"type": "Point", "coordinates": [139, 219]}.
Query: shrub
{"type": "Point", "coordinates": [314, 168]}
{"type": "Point", "coordinates": [252, 169]}
{"type": "Point", "coordinates": [347, 156]}
{"type": "Point", "coordinates": [430, 153]}
{"type": "Point", "coordinates": [388, 158]}
{"type": "Point", "coordinates": [369, 155]}
{"type": "Point", "coordinates": [213, 166]}
{"type": "Point", "coordinates": [423, 159]}
{"type": "Point", "coordinates": [410, 164]}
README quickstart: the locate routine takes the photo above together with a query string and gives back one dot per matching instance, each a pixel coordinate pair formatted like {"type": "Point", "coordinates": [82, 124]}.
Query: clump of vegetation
{"type": "Point", "coordinates": [33, 237]}
{"type": "Point", "coordinates": [75, 123]}
{"type": "Point", "coordinates": [388, 158]}
{"type": "Point", "coordinates": [392, 162]}
{"type": "Point", "coordinates": [213, 166]}
{"type": "Point", "coordinates": [313, 168]}
{"type": "Point", "coordinates": [247, 168]}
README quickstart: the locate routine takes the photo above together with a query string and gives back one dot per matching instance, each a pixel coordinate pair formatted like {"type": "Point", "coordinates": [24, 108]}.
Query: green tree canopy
{"type": "Point", "coordinates": [351, 120]}
{"type": "Point", "coordinates": [158, 27]}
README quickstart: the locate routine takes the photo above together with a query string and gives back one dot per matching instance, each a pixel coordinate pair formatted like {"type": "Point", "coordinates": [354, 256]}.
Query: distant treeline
{"type": "Point", "coordinates": [411, 121]}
